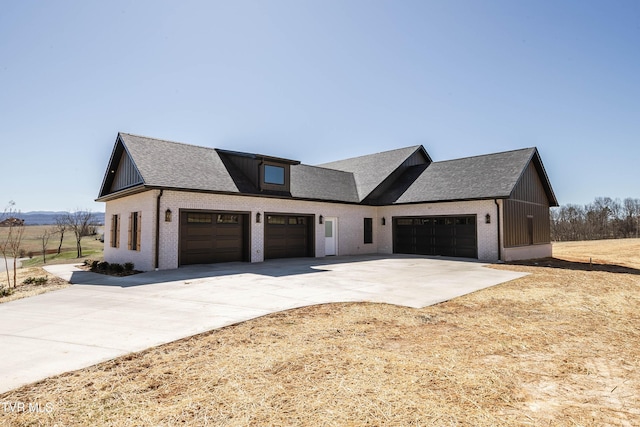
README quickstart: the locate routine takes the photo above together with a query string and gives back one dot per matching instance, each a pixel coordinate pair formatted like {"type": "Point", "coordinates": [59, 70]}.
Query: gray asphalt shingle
{"type": "Point", "coordinates": [479, 177]}
{"type": "Point", "coordinates": [176, 165]}
{"type": "Point", "coordinates": [371, 170]}
{"type": "Point", "coordinates": [166, 164]}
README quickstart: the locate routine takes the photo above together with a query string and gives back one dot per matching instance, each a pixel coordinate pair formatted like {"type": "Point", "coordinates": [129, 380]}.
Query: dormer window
{"type": "Point", "coordinates": [274, 175]}
{"type": "Point", "coordinates": [269, 175]}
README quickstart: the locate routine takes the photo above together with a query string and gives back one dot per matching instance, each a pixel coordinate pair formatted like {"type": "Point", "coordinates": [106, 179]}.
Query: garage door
{"type": "Point", "coordinates": [288, 236]}
{"type": "Point", "coordinates": [209, 237]}
{"type": "Point", "coordinates": [446, 236]}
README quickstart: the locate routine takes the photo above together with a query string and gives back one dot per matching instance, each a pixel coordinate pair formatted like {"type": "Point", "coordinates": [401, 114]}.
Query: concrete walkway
{"type": "Point", "coordinates": [102, 317]}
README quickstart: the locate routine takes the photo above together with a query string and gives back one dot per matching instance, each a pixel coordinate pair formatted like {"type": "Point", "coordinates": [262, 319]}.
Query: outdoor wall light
{"type": "Point", "coordinates": [384, 221]}
{"type": "Point", "coordinates": [167, 215]}
{"type": "Point", "coordinates": [258, 217]}
{"type": "Point", "coordinates": [487, 219]}
{"type": "Point", "coordinates": [320, 219]}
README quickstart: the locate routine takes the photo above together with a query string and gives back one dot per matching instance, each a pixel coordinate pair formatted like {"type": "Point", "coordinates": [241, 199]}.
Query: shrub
{"type": "Point", "coordinates": [128, 266]}
{"type": "Point", "coordinates": [94, 265]}
{"type": "Point", "coordinates": [5, 291]}
{"type": "Point", "coordinates": [21, 253]}
{"type": "Point", "coordinates": [116, 268]}
{"type": "Point", "coordinates": [30, 254]}
{"type": "Point", "coordinates": [35, 280]}
{"type": "Point", "coordinates": [103, 266]}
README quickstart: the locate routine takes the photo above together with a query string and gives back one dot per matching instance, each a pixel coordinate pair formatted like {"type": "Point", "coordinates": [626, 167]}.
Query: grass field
{"type": "Point", "coordinates": [558, 347]}
{"type": "Point", "coordinates": [31, 242]}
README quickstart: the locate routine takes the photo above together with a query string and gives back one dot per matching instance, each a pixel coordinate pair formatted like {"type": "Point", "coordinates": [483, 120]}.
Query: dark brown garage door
{"type": "Point", "coordinates": [209, 237]}
{"type": "Point", "coordinates": [288, 236]}
{"type": "Point", "coordinates": [446, 236]}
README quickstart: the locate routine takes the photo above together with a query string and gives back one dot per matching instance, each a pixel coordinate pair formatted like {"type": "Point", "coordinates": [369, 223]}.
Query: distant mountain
{"type": "Point", "coordinates": [49, 217]}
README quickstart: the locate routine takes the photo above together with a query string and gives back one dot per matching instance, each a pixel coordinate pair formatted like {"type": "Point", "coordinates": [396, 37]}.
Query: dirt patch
{"type": "Point", "coordinates": [27, 290]}
{"type": "Point", "coordinates": [557, 347]}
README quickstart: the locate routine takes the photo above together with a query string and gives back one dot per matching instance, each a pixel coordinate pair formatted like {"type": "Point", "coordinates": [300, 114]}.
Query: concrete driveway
{"type": "Point", "coordinates": [101, 317]}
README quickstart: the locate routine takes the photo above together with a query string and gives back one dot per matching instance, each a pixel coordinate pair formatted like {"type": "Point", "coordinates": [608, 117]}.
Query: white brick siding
{"type": "Point", "coordinates": [142, 202]}
{"type": "Point", "coordinates": [350, 223]}
{"type": "Point", "coordinates": [487, 233]}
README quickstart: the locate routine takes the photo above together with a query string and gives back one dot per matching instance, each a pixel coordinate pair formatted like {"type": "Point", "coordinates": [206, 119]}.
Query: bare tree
{"type": "Point", "coordinates": [11, 240]}
{"type": "Point", "coordinates": [80, 223]}
{"type": "Point", "coordinates": [605, 218]}
{"type": "Point", "coordinates": [4, 247]}
{"type": "Point", "coordinates": [60, 227]}
{"type": "Point", "coordinates": [44, 239]}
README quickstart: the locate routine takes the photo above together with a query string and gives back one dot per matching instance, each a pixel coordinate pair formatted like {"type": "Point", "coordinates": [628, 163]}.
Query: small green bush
{"type": "Point", "coordinates": [35, 280]}
{"type": "Point", "coordinates": [128, 267]}
{"type": "Point", "coordinates": [103, 266]}
{"type": "Point", "coordinates": [116, 268]}
{"type": "Point", "coordinates": [94, 265]}
{"type": "Point", "coordinates": [5, 291]}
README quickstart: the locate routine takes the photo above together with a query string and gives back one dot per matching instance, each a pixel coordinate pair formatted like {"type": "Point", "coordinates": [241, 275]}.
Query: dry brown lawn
{"type": "Point", "coordinates": [559, 347]}
{"type": "Point", "coordinates": [23, 291]}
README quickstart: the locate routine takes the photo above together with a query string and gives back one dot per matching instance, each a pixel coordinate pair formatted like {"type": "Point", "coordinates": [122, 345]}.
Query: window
{"type": "Point", "coordinates": [228, 219]}
{"type": "Point", "coordinates": [297, 220]}
{"type": "Point", "coordinates": [274, 175]}
{"type": "Point", "coordinates": [203, 218]}
{"type": "Point", "coordinates": [115, 231]}
{"type": "Point", "coordinates": [272, 219]}
{"type": "Point", "coordinates": [368, 230]}
{"type": "Point", "coordinates": [135, 219]}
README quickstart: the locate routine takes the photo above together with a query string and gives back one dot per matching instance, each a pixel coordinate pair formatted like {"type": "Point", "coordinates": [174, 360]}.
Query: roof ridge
{"type": "Point", "coordinates": [323, 167]}
{"type": "Point", "coordinates": [485, 155]}
{"type": "Point", "coordinates": [373, 154]}
{"type": "Point", "coordinates": [166, 140]}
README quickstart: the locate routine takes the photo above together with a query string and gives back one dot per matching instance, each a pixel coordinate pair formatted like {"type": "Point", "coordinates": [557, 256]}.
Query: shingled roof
{"type": "Point", "coordinates": [175, 165]}
{"type": "Point", "coordinates": [371, 170]}
{"type": "Point", "coordinates": [491, 176]}
{"type": "Point", "coordinates": [390, 177]}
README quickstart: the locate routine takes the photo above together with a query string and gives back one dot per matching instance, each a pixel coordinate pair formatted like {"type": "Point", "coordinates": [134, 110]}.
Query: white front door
{"type": "Point", "coordinates": [330, 236]}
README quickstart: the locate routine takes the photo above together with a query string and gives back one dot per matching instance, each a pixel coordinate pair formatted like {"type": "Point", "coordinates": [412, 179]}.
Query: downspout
{"type": "Point", "coordinates": [158, 229]}
{"type": "Point", "coordinates": [499, 234]}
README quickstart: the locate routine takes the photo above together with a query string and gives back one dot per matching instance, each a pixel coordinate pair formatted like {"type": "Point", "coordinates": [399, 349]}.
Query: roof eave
{"type": "Point", "coordinates": [138, 188]}
{"type": "Point", "coordinates": [468, 199]}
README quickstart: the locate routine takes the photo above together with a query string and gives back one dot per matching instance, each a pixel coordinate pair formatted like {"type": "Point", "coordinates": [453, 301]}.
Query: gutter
{"type": "Point", "coordinates": [499, 234]}
{"type": "Point", "coordinates": [157, 261]}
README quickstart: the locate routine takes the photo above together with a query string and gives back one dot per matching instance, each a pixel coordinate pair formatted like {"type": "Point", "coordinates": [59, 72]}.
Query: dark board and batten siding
{"type": "Point", "coordinates": [526, 212]}
{"type": "Point", "coordinates": [127, 175]}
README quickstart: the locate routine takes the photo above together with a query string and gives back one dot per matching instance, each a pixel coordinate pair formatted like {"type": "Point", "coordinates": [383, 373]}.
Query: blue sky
{"type": "Point", "coordinates": [318, 81]}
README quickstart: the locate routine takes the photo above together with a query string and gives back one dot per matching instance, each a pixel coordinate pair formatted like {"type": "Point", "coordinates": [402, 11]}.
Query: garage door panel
{"type": "Point", "coordinates": [288, 236]}
{"type": "Point", "coordinates": [211, 237]}
{"type": "Point", "coordinates": [446, 236]}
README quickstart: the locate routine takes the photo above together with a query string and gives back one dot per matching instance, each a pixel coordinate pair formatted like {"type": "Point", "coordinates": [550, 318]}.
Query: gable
{"type": "Point", "coordinates": [371, 171]}
{"type": "Point", "coordinates": [480, 177]}
{"type": "Point", "coordinates": [529, 187]}
{"type": "Point", "coordinates": [405, 175]}
{"type": "Point", "coordinates": [126, 174]}
{"type": "Point", "coordinates": [121, 173]}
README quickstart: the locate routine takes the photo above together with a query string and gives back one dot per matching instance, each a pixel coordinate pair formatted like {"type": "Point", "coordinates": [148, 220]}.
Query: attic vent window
{"type": "Point", "coordinates": [274, 175]}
